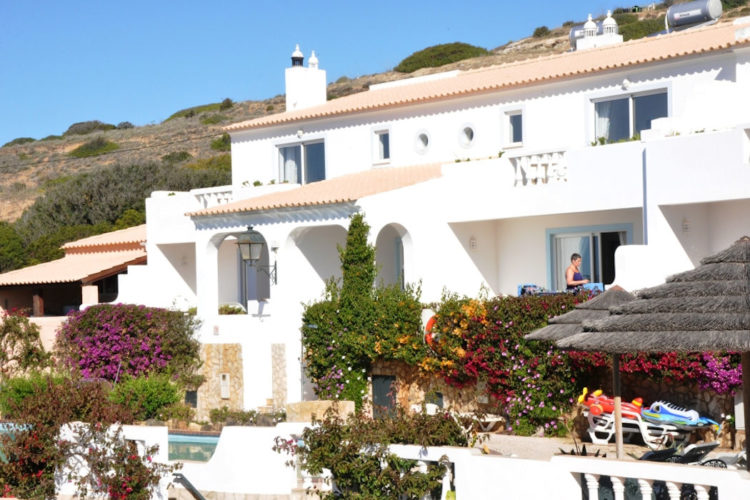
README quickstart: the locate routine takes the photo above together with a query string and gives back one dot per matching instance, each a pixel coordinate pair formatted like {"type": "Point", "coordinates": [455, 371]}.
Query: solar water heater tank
{"type": "Point", "coordinates": [686, 15]}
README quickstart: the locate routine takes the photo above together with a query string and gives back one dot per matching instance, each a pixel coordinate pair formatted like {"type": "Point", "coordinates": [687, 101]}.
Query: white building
{"type": "Point", "coordinates": [487, 178]}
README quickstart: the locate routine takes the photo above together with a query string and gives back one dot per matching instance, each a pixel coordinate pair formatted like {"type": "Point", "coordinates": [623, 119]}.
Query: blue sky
{"type": "Point", "coordinates": [63, 62]}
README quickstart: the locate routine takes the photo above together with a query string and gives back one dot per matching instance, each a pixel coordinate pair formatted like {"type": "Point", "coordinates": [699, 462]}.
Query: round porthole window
{"type": "Point", "coordinates": [422, 142]}
{"type": "Point", "coordinates": [466, 136]}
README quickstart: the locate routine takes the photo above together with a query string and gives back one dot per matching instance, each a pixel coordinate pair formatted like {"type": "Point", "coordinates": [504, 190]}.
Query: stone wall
{"type": "Point", "coordinates": [220, 360]}
{"type": "Point", "coordinates": [412, 386]}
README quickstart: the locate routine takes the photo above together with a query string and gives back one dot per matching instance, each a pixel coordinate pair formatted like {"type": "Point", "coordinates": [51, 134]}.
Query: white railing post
{"type": "Point", "coordinates": [592, 484]}
{"type": "Point", "coordinates": [674, 490]}
{"type": "Point", "coordinates": [618, 487]}
{"type": "Point", "coordinates": [645, 487]}
{"type": "Point", "coordinates": [702, 492]}
{"type": "Point", "coordinates": [539, 168]}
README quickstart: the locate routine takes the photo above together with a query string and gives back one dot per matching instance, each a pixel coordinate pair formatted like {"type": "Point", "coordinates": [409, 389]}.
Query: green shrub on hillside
{"type": "Point", "coordinates": [730, 4]}
{"type": "Point", "coordinates": [212, 119]}
{"type": "Point", "coordinates": [541, 32]}
{"type": "Point", "coordinates": [642, 28]}
{"type": "Point", "coordinates": [176, 157]}
{"type": "Point", "coordinates": [124, 125]}
{"type": "Point", "coordinates": [223, 143]}
{"type": "Point", "coordinates": [12, 249]}
{"type": "Point", "coordinates": [625, 18]}
{"type": "Point", "coordinates": [103, 195]}
{"type": "Point", "coordinates": [83, 128]}
{"type": "Point", "coordinates": [439, 55]}
{"type": "Point", "coordinates": [221, 163]}
{"type": "Point", "coordinates": [205, 108]}
{"type": "Point", "coordinates": [51, 138]}
{"type": "Point", "coordinates": [19, 140]}
{"type": "Point", "coordinates": [94, 147]}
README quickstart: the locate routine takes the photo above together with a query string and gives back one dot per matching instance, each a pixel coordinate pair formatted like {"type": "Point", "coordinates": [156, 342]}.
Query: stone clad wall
{"type": "Point", "coordinates": [412, 386]}
{"type": "Point", "coordinates": [218, 359]}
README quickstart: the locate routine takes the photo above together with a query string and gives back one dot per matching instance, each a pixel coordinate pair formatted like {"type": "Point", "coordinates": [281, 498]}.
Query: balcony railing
{"type": "Point", "coordinates": [539, 168]}
{"type": "Point", "coordinates": [211, 197]}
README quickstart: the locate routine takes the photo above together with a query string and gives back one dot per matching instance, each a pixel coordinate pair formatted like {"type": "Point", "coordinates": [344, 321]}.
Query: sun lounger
{"type": "Point", "coordinates": [602, 429]}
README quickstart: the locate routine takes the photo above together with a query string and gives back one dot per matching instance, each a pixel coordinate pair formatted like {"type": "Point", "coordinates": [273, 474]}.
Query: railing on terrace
{"type": "Point", "coordinates": [538, 168]}
{"type": "Point", "coordinates": [211, 197]}
{"type": "Point", "coordinates": [730, 484]}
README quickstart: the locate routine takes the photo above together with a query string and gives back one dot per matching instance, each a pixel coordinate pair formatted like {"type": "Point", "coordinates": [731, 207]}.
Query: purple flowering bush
{"type": "Point", "coordinates": [110, 341]}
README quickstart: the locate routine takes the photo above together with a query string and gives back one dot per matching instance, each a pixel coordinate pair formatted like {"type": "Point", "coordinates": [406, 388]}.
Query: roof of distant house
{"type": "Point", "coordinates": [86, 260]}
{"type": "Point", "coordinates": [533, 71]}
{"type": "Point", "coordinates": [346, 188]}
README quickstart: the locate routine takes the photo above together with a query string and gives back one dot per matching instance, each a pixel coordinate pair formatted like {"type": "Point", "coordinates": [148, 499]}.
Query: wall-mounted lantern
{"type": "Point", "coordinates": [251, 245]}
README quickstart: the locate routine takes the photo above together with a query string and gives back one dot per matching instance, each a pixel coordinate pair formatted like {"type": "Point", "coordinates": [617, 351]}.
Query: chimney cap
{"type": "Point", "coordinates": [313, 61]}
{"type": "Point", "coordinates": [297, 56]}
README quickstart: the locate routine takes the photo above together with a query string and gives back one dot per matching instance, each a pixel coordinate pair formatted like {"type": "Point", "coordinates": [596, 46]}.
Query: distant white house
{"type": "Point", "coordinates": [635, 154]}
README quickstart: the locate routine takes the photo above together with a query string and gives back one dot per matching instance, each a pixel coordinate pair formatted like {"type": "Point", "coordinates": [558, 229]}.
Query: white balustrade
{"type": "Point", "coordinates": [539, 168]}
{"type": "Point", "coordinates": [212, 197]}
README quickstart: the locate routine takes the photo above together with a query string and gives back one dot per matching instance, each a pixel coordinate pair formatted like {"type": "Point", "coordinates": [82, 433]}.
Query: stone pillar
{"type": "Point", "coordinates": [278, 375]}
{"type": "Point", "coordinates": [37, 304]}
{"type": "Point", "coordinates": [89, 294]}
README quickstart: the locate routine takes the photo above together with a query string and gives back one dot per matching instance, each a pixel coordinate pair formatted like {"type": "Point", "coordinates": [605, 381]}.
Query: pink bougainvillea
{"type": "Point", "coordinates": [110, 341]}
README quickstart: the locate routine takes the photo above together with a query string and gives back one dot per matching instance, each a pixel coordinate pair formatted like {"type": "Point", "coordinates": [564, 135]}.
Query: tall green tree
{"type": "Point", "coordinates": [12, 251]}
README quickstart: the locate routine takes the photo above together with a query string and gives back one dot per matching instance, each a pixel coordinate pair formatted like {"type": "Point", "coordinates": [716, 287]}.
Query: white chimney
{"type": "Point", "coordinates": [305, 86]}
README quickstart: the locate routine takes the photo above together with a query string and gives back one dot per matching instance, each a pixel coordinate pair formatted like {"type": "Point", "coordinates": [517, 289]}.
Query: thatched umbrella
{"type": "Point", "coordinates": [705, 309]}
{"type": "Point", "coordinates": [570, 323]}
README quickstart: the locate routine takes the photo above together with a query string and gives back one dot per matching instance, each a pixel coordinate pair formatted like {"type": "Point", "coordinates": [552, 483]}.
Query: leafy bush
{"type": "Point", "coordinates": [196, 110]}
{"type": "Point", "coordinates": [642, 28]}
{"type": "Point", "coordinates": [83, 128]}
{"type": "Point", "coordinates": [101, 197]}
{"type": "Point", "coordinates": [225, 416]}
{"type": "Point", "coordinates": [20, 346]}
{"type": "Point", "coordinates": [730, 4]}
{"type": "Point", "coordinates": [625, 18]}
{"type": "Point", "coordinates": [18, 141]}
{"type": "Point", "coordinates": [176, 157]}
{"type": "Point", "coordinates": [12, 250]}
{"type": "Point", "coordinates": [223, 143]}
{"type": "Point", "coordinates": [145, 396]}
{"type": "Point", "coordinates": [37, 450]}
{"type": "Point", "coordinates": [356, 324]}
{"type": "Point", "coordinates": [111, 341]}
{"type": "Point", "coordinates": [47, 246]}
{"type": "Point", "coordinates": [51, 138]}
{"type": "Point", "coordinates": [220, 163]}
{"type": "Point", "coordinates": [212, 119]}
{"type": "Point", "coordinates": [94, 147]}
{"type": "Point", "coordinates": [356, 453]}
{"type": "Point", "coordinates": [226, 104]}
{"type": "Point", "coordinates": [15, 389]}
{"type": "Point", "coordinates": [124, 125]}
{"type": "Point", "coordinates": [541, 32]}
{"type": "Point", "coordinates": [439, 55]}
{"type": "Point", "coordinates": [231, 309]}
{"type": "Point", "coordinates": [130, 218]}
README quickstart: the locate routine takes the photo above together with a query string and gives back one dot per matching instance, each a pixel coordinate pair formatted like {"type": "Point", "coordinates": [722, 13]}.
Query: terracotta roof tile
{"type": "Point", "coordinates": [76, 267]}
{"type": "Point", "coordinates": [132, 237]}
{"type": "Point", "coordinates": [342, 189]}
{"type": "Point", "coordinates": [570, 64]}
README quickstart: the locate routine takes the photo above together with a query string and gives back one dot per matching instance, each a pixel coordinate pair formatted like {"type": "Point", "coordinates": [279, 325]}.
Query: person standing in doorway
{"type": "Point", "coordinates": [573, 276]}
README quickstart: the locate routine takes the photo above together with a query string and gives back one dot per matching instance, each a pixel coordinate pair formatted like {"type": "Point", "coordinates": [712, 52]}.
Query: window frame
{"type": "Point", "coordinates": [302, 158]}
{"type": "Point", "coordinates": [631, 92]}
{"type": "Point", "coordinates": [378, 157]}
{"type": "Point", "coordinates": [552, 233]}
{"type": "Point", "coordinates": [508, 129]}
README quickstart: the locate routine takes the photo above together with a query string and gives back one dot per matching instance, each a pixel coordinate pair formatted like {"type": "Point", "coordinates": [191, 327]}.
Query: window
{"type": "Point", "coordinates": [625, 117]}
{"type": "Point", "coordinates": [422, 142]}
{"type": "Point", "coordinates": [302, 163]}
{"type": "Point", "coordinates": [466, 136]}
{"type": "Point", "coordinates": [515, 128]}
{"type": "Point", "coordinates": [596, 245]}
{"type": "Point", "coordinates": [382, 146]}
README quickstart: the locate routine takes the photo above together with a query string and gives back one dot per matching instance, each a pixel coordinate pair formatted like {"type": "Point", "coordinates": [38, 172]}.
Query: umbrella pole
{"type": "Point", "coordinates": [746, 402]}
{"type": "Point", "coordinates": [617, 389]}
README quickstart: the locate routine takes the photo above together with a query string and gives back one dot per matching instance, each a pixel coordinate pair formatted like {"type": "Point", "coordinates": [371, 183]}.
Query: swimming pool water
{"type": "Point", "coordinates": [198, 448]}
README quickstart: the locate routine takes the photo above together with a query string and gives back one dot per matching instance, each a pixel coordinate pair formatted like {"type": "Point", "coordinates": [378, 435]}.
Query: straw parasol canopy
{"type": "Point", "coordinates": [705, 309]}
{"type": "Point", "coordinates": [570, 323]}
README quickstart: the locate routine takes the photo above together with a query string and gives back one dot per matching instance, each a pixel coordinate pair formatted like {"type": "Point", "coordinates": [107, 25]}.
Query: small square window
{"type": "Point", "coordinates": [515, 128]}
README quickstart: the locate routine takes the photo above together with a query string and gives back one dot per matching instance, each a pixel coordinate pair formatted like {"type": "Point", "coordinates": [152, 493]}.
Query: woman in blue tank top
{"type": "Point", "coordinates": [573, 276]}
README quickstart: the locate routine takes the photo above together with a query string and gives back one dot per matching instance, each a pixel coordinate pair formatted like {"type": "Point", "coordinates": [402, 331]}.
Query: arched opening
{"type": "Point", "coordinates": [390, 256]}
